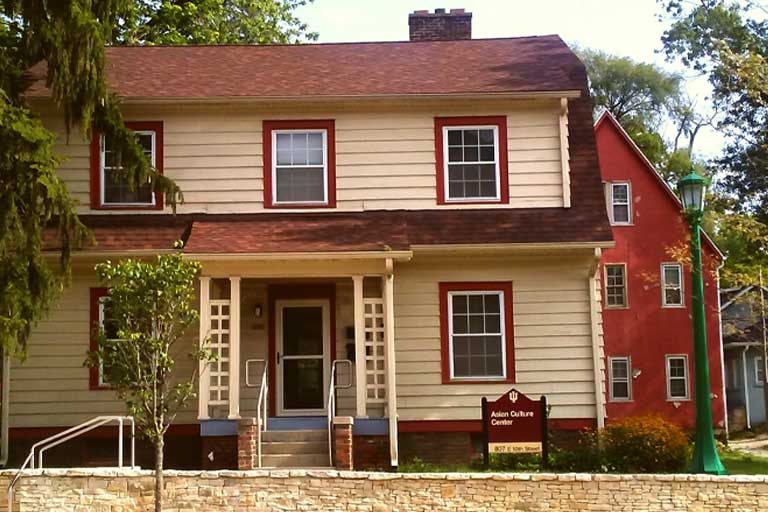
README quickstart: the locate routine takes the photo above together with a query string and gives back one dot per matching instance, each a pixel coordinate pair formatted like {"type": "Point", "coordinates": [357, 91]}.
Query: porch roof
{"type": "Point", "coordinates": [340, 231]}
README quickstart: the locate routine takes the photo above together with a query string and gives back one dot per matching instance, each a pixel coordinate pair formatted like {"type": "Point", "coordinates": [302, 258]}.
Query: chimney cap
{"type": "Point", "coordinates": [439, 12]}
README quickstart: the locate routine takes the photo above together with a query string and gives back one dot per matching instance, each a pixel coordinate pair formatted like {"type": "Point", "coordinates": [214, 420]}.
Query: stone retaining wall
{"type": "Point", "coordinates": [325, 490]}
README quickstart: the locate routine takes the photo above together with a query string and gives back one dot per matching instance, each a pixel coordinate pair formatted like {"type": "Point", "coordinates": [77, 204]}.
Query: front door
{"type": "Point", "coordinates": [302, 333]}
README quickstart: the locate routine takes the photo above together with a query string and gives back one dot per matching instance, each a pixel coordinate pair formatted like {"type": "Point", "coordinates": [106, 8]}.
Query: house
{"type": "Point", "coordinates": [743, 346]}
{"type": "Point", "coordinates": [422, 220]}
{"type": "Point", "coordinates": [646, 282]}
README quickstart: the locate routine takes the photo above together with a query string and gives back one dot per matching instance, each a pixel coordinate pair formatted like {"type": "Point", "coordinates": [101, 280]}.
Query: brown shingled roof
{"type": "Point", "coordinates": [512, 65]}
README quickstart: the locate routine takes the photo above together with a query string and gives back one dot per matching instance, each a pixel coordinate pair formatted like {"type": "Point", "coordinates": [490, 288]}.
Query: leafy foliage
{"type": "Point", "coordinates": [214, 22]}
{"type": "Point", "coordinates": [151, 307]}
{"type": "Point", "coordinates": [645, 444]}
{"type": "Point", "coordinates": [31, 197]}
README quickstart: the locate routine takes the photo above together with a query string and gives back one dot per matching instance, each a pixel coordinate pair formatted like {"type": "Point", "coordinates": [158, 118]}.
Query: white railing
{"type": "Point", "coordinates": [70, 433]}
{"type": "Point", "coordinates": [331, 406]}
{"type": "Point", "coordinates": [261, 407]}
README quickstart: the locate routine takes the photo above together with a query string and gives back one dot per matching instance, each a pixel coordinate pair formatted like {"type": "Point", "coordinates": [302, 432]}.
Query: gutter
{"type": "Point", "coordinates": [5, 403]}
{"type": "Point", "coordinates": [597, 357]}
{"type": "Point", "coordinates": [722, 350]}
{"type": "Point", "coordinates": [746, 386]}
{"type": "Point", "coordinates": [282, 256]}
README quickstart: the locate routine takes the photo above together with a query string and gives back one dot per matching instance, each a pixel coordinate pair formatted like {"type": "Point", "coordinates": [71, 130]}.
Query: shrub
{"type": "Point", "coordinates": [584, 456]}
{"type": "Point", "coordinates": [645, 444]}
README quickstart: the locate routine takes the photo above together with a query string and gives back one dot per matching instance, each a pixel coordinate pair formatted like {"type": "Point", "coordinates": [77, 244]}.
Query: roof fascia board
{"type": "Point", "coordinates": [513, 247]}
{"type": "Point", "coordinates": [267, 256]}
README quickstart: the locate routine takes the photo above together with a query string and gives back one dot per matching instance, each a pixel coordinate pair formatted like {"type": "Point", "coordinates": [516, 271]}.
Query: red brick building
{"type": "Point", "coordinates": [646, 282]}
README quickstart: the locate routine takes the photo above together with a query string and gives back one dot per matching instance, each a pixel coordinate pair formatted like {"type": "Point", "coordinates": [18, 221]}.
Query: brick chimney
{"type": "Point", "coordinates": [440, 25]}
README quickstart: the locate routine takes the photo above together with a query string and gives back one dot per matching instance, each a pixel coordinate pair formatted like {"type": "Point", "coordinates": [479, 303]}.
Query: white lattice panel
{"type": "Point", "coordinates": [219, 345]}
{"type": "Point", "coordinates": [375, 369]}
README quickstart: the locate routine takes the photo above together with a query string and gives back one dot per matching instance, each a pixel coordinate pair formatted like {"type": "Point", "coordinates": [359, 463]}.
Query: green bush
{"type": "Point", "coordinates": [645, 444]}
{"type": "Point", "coordinates": [583, 457]}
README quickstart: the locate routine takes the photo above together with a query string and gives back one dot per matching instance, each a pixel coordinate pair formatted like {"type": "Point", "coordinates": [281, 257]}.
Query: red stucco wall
{"type": "Point", "coordinates": [646, 331]}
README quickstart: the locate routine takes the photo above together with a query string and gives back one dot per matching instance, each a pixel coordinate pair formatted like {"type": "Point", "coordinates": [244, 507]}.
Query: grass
{"type": "Point", "coordinates": [738, 463]}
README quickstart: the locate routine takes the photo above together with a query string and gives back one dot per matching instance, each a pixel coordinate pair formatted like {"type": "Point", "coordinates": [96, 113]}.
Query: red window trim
{"type": "Point", "coordinates": [329, 126]}
{"type": "Point", "coordinates": [96, 204]}
{"type": "Point", "coordinates": [93, 372]}
{"type": "Point", "coordinates": [501, 123]}
{"type": "Point", "coordinates": [326, 291]}
{"type": "Point", "coordinates": [494, 286]}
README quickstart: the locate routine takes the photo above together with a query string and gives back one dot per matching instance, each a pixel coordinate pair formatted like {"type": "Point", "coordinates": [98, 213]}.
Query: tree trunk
{"type": "Point", "coordinates": [159, 474]}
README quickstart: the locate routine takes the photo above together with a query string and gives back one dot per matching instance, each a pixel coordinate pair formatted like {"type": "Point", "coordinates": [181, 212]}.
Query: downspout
{"type": "Point", "coordinates": [595, 331]}
{"type": "Point", "coordinates": [746, 386]}
{"type": "Point", "coordinates": [722, 350]}
{"type": "Point", "coordinates": [5, 399]}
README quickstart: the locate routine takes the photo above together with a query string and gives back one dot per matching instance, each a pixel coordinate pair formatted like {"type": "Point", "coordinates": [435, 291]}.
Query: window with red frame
{"type": "Point", "coordinates": [100, 319]}
{"type": "Point", "coordinates": [476, 331]}
{"type": "Point", "coordinates": [299, 164]}
{"type": "Point", "coordinates": [471, 156]}
{"type": "Point", "coordinates": [110, 188]}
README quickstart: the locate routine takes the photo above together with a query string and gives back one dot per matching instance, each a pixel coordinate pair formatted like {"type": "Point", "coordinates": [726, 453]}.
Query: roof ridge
{"type": "Point", "coordinates": [331, 43]}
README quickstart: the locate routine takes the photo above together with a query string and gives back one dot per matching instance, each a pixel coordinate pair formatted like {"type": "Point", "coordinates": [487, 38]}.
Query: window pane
{"type": "Point", "coordinates": [620, 390]}
{"type": "Point", "coordinates": [315, 140]}
{"type": "Point", "coordinates": [486, 137]}
{"type": "Point", "coordinates": [315, 157]}
{"type": "Point", "coordinates": [676, 367]}
{"type": "Point", "coordinates": [620, 213]}
{"type": "Point", "coordinates": [620, 193]}
{"type": "Point", "coordinates": [460, 324]}
{"type": "Point", "coordinates": [619, 369]}
{"type": "Point", "coordinates": [471, 137]}
{"type": "Point", "coordinates": [677, 388]}
{"type": "Point", "coordinates": [476, 324]}
{"type": "Point", "coordinates": [673, 296]}
{"type": "Point", "coordinates": [475, 303]}
{"type": "Point", "coordinates": [486, 154]}
{"type": "Point", "coordinates": [117, 189]}
{"type": "Point", "coordinates": [300, 184]}
{"type": "Point", "coordinates": [672, 275]}
{"type": "Point", "coordinates": [454, 137]}
{"type": "Point", "coordinates": [492, 303]}
{"type": "Point", "coordinates": [459, 303]}
{"type": "Point", "coordinates": [493, 323]}
{"type": "Point", "coordinates": [471, 154]}
{"type": "Point", "coordinates": [455, 155]}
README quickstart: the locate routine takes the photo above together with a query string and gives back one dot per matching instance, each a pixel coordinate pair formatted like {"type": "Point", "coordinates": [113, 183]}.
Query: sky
{"type": "Point", "coordinates": [622, 27]}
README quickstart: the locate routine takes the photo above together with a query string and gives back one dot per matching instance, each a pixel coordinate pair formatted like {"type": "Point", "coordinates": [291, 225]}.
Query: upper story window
{"type": "Point", "coordinates": [619, 199]}
{"type": "Point", "coordinates": [671, 285]}
{"type": "Point", "coordinates": [616, 285]}
{"type": "Point", "coordinates": [471, 156]}
{"type": "Point", "coordinates": [476, 331]}
{"type": "Point", "coordinates": [759, 370]}
{"type": "Point", "coordinates": [299, 164]}
{"type": "Point", "coordinates": [110, 188]}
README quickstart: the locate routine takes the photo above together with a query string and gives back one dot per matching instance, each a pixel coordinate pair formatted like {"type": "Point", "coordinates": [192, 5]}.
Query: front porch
{"type": "Point", "coordinates": [288, 335]}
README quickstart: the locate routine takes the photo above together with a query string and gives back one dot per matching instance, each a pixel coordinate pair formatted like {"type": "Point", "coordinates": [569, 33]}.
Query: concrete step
{"type": "Point", "coordinates": [295, 447]}
{"type": "Point", "coordinates": [314, 460]}
{"type": "Point", "coordinates": [294, 435]}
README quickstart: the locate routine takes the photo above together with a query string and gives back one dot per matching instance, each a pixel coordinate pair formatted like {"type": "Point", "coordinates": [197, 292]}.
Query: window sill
{"type": "Point", "coordinates": [673, 306]}
{"type": "Point", "coordinates": [617, 308]}
{"type": "Point", "coordinates": [678, 399]}
{"type": "Point", "coordinates": [620, 401]}
{"type": "Point", "coordinates": [622, 224]}
{"type": "Point", "coordinates": [299, 206]}
{"type": "Point", "coordinates": [499, 380]}
{"type": "Point", "coordinates": [127, 207]}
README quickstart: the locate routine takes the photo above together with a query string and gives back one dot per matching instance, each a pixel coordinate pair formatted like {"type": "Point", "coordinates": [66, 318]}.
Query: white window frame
{"type": "Point", "coordinates": [446, 194]}
{"type": "Point", "coordinates": [612, 203]}
{"type": "Point", "coordinates": [605, 286]}
{"type": "Point", "coordinates": [102, 176]}
{"type": "Point", "coordinates": [324, 133]}
{"type": "Point", "coordinates": [759, 368]}
{"type": "Point", "coordinates": [687, 378]}
{"type": "Point", "coordinates": [502, 328]}
{"type": "Point", "coordinates": [611, 379]}
{"type": "Point", "coordinates": [664, 286]}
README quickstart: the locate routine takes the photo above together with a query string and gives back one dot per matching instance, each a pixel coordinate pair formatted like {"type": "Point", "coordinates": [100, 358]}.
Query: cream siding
{"type": "Point", "coordinates": [385, 155]}
{"type": "Point", "coordinates": [552, 328]}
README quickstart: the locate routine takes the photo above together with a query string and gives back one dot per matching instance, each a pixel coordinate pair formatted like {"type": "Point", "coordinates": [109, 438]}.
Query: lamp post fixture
{"type": "Point", "coordinates": [705, 459]}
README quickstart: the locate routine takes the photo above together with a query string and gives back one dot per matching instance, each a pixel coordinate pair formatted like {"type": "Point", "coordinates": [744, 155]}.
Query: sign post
{"type": "Point", "coordinates": [514, 423]}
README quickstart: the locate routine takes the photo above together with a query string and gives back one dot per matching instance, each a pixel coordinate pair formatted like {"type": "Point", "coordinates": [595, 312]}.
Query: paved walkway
{"type": "Point", "coordinates": [756, 446]}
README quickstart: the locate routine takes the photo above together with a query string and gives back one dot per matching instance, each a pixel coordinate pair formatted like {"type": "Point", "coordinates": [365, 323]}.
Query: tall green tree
{"type": "Point", "coordinates": [149, 311]}
{"type": "Point", "coordinates": [214, 22]}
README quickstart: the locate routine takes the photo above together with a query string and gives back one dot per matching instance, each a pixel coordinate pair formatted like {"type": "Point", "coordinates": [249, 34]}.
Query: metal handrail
{"type": "Point", "coordinates": [331, 406]}
{"type": "Point", "coordinates": [261, 406]}
{"type": "Point", "coordinates": [70, 433]}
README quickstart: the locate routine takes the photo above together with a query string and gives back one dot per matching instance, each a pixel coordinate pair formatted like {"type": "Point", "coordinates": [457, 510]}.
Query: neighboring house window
{"type": "Point", "coordinates": [671, 284]}
{"type": "Point", "coordinates": [616, 285]}
{"type": "Point", "coordinates": [299, 164]}
{"type": "Point", "coordinates": [100, 319]}
{"type": "Point", "coordinates": [759, 370]}
{"type": "Point", "coordinates": [476, 331]}
{"type": "Point", "coordinates": [471, 156]}
{"type": "Point", "coordinates": [619, 377]}
{"type": "Point", "coordinates": [619, 203]}
{"type": "Point", "coordinates": [110, 188]}
{"type": "Point", "coordinates": [733, 376]}
{"type": "Point", "coordinates": [677, 377]}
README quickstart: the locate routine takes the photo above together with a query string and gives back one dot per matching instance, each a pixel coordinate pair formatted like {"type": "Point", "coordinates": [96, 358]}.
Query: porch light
{"type": "Point", "coordinates": [693, 189]}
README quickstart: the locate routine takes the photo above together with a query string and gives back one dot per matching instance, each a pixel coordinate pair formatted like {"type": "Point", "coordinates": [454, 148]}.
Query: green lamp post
{"type": "Point", "coordinates": [692, 190]}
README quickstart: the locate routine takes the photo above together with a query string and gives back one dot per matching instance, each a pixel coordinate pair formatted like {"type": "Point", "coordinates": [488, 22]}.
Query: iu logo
{"type": "Point", "coordinates": [513, 396]}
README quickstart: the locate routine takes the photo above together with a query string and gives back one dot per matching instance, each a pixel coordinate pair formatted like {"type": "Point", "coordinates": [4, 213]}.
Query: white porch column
{"type": "Point", "coordinates": [389, 340]}
{"type": "Point", "coordinates": [204, 393]}
{"type": "Point", "coordinates": [234, 348]}
{"type": "Point", "coordinates": [360, 379]}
